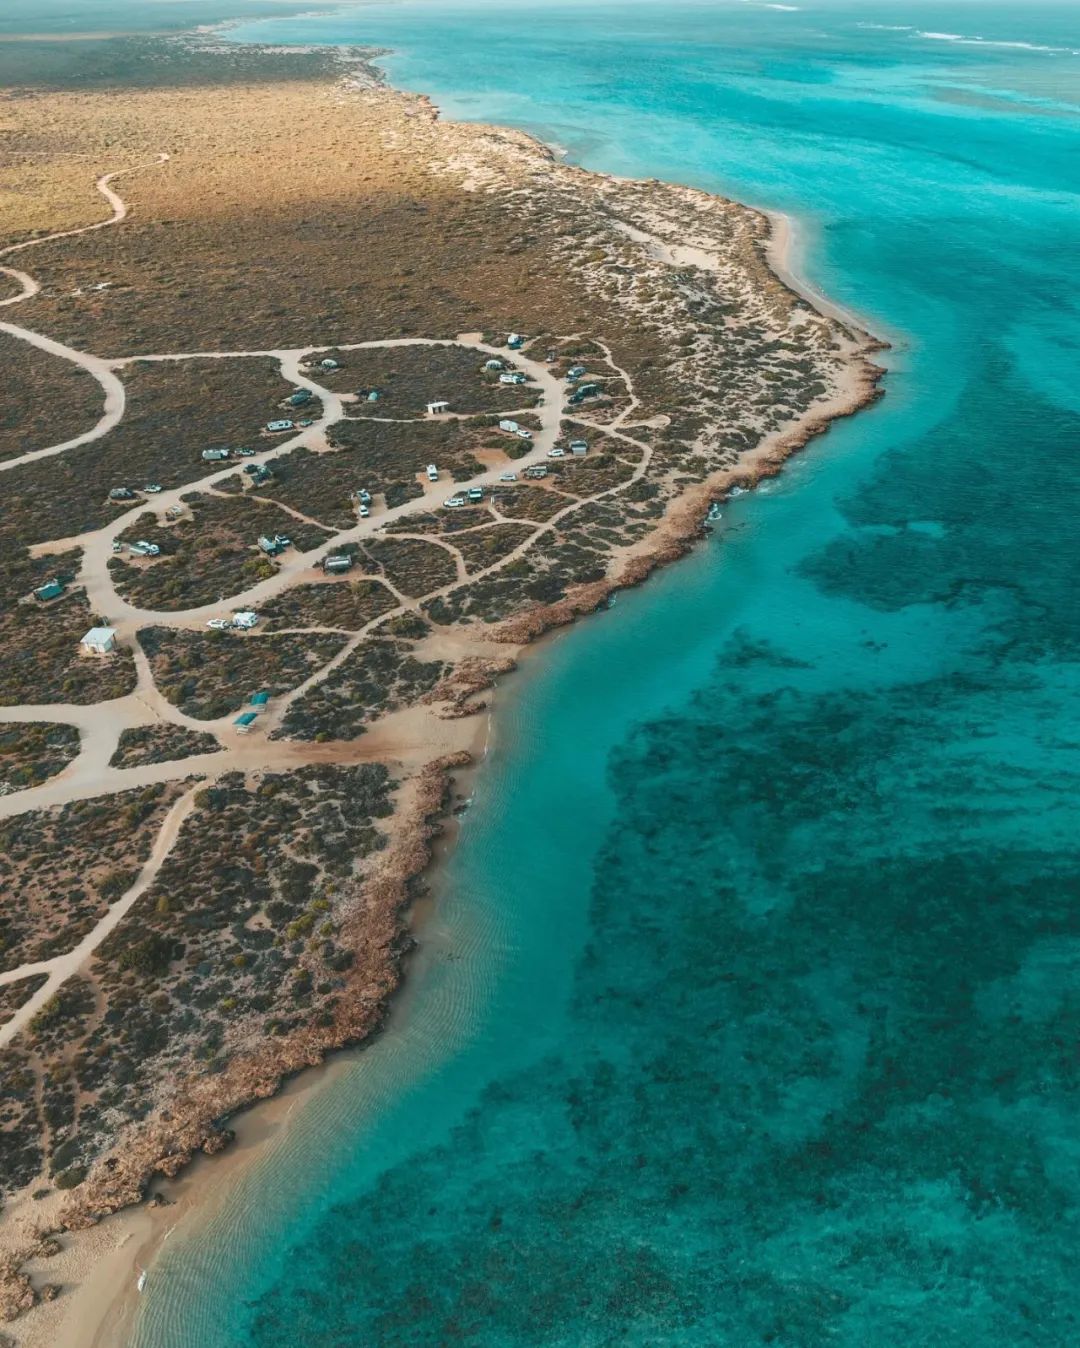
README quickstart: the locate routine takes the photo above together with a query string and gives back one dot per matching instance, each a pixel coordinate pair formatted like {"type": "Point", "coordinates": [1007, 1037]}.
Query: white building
{"type": "Point", "coordinates": [99, 641]}
{"type": "Point", "coordinates": [438, 407]}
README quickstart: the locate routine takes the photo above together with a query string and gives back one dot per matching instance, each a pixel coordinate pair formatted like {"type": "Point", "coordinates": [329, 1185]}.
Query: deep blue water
{"type": "Point", "coordinates": [750, 1011]}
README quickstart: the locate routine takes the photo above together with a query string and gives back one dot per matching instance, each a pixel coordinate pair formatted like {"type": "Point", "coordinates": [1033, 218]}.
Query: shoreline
{"type": "Point", "coordinates": [140, 1232]}
{"type": "Point", "coordinates": [131, 1238]}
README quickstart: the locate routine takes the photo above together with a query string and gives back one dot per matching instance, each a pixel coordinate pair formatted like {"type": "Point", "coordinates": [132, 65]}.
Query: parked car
{"type": "Point", "coordinates": [557, 453]}
{"type": "Point", "coordinates": [454, 501]}
{"type": "Point", "coordinates": [219, 624]}
{"type": "Point", "coordinates": [245, 453]}
{"type": "Point", "coordinates": [523, 434]}
{"type": "Point", "coordinates": [364, 511]}
{"type": "Point", "coordinates": [148, 549]}
{"type": "Point", "coordinates": [152, 488]}
{"type": "Point", "coordinates": [508, 477]}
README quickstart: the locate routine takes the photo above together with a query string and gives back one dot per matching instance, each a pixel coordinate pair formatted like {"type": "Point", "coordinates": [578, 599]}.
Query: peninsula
{"type": "Point", "coordinates": [316, 409]}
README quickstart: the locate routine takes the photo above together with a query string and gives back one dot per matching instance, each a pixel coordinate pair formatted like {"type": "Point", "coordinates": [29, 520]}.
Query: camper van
{"type": "Point", "coordinates": [432, 473]}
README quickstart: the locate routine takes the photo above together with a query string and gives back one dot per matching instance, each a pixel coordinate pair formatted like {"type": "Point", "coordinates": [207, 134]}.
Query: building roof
{"type": "Point", "coordinates": [99, 636]}
{"type": "Point", "coordinates": [246, 718]}
{"type": "Point", "coordinates": [260, 699]}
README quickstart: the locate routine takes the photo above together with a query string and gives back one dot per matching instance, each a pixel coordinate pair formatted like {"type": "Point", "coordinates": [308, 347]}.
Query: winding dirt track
{"type": "Point", "coordinates": [101, 370]}
{"type": "Point", "coordinates": [63, 966]}
{"type": "Point", "coordinates": [100, 725]}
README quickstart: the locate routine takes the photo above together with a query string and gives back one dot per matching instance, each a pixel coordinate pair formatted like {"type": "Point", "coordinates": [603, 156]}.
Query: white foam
{"type": "Point", "coordinates": [966, 41]}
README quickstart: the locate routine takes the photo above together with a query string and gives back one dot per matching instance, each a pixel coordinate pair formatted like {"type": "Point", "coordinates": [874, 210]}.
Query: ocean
{"type": "Point", "coordinates": [748, 1013]}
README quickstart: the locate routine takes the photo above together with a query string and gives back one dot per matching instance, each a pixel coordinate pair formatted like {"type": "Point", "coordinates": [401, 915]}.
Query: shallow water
{"type": "Point", "coordinates": [751, 1005]}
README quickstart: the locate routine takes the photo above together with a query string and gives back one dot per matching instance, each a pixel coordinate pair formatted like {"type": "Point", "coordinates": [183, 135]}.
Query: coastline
{"type": "Point", "coordinates": [120, 1246]}
{"type": "Point", "coordinates": [128, 1240]}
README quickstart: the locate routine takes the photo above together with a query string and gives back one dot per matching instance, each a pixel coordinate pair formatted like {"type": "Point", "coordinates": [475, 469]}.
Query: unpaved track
{"type": "Point", "coordinates": [64, 966]}
{"type": "Point", "coordinates": [90, 774]}
{"type": "Point", "coordinates": [115, 395]}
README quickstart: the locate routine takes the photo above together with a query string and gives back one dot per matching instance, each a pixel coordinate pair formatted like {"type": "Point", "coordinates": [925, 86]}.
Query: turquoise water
{"type": "Point", "coordinates": [751, 1006]}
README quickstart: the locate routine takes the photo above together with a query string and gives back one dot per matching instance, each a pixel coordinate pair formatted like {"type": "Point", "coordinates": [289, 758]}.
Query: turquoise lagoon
{"type": "Point", "coordinates": [749, 1011]}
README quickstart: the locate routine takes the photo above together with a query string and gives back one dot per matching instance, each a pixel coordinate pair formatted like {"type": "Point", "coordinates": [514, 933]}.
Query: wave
{"type": "Point", "coordinates": [888, 27]}
{"type": "Point", "coordinates": [967, 41]}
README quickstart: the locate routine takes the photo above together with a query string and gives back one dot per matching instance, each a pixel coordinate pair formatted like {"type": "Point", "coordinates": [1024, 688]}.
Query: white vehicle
{"type": "Point", "coordinates": [364, 511]}
{"type": "Point", "coordinates": [453, 502]}
{"type": "Point", "coordinates": [507, 425]}
{"type": "Point", "coordinates": [557, 453]}
{"type": "Point", "coordinates": [219, 624]}
{"type": "Point", "coordinates": [432, 473]}
{"type": "Point", "coordinates": [245, 619]}
{"type": "Point", "coordinates": [152, 488]}
{"type": "Point", "coordinates": [149, 549]}
{"type": "Point", "coordinates": [117, 546]}
{"type": "Point", "coordinates": [523, 434]}
{"type": "Point", "coordinates": [579, 446]}
{"type": "Point", "coordinates": [174, 512]}
{"type": "Point", "coordinates": [512, 377]}
{"type": "Point", "coordinates": [278, 426]}
{"type": "Point", "coordinates": [508, 477]}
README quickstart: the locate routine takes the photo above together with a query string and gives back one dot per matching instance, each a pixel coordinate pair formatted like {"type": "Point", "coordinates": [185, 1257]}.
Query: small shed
{"type": "Point", "coordinates": [99, 641]}
{"type": "Point", "coordinates": [438, 407]}
{"type": "Point", "coordinates": [259, 699]}
{"type": "Point", "coordinates": [245, 721]}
